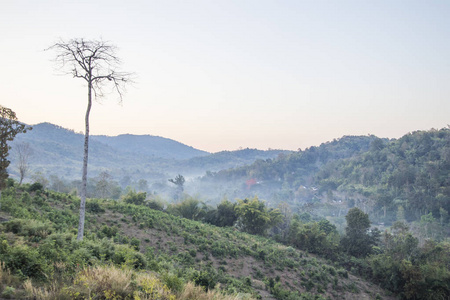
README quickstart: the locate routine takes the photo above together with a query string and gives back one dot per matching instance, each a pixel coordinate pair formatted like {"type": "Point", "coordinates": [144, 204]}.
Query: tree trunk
{"type": "Point", "coordinates": [85, 164]}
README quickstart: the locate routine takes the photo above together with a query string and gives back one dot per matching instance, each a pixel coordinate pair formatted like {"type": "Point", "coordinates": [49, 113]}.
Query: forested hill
{"type": "Point", "coordinates": [399, 178]}
{"type": "Point", "coordinates": [404, 178]}
{"type": "Point", "coordinates": [231, 159]}
{"type": "Point", "coordinates": [302, 164]}
{"type": "Point", "coordinates": [279, 179]}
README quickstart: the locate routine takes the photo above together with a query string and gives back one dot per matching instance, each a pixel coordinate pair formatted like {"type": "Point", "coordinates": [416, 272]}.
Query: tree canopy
{"type": "Point", "coordinates": [254, 217]}
{"type": "Point", "coordinates": [357, 241]}
{"type": "Point", "coordinates": [9, 128]}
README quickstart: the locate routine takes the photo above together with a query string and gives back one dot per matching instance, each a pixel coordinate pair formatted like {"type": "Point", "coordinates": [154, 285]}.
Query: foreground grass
{"type": "Point", "coordinates": [110, 282]}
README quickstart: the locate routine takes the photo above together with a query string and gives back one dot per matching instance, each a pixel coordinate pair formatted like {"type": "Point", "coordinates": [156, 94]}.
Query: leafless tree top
{"type": "Point", "coordinates": [95, 61]}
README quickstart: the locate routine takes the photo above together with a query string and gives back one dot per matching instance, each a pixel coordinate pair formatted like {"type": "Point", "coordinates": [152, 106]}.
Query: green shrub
{"type": "Point", "coordinates": [93, 206]}
{"type": "Point", "coordinates": [37, 230]}
{"type": "Point", "coordinates": [25, 198]}
{"type": "Point", "coordinates": [343, 273]}
{"type": "Point", "coordinates": [14, 226]}
{"type": "Point", "coordinates": [155, 204]}
{"type": "Point", "coordinates": [135, 243]}
{"type": "Point", "coordinates": [332, 271]}
{"type": "Point", "coordinates": [37, 186]}
{"type": "Point", "coordinates": [193, 252]}
{"type": "Point", "coordinates": [135, 198]}
{"type": "Point", "coordinates": [81, 257]}
{"type": "Point", "coordinates": [123, 255]}
{"type": "Point", "coordinates": [8, 292]}
{"type": "Point", "coordinates": [25, 261]}
{"type": "Point", "coordinates": [172, 281]}
{"type": "Point", "coordinates": [108, 231]}
{"type": "Point", "coordinates": [206, 279]}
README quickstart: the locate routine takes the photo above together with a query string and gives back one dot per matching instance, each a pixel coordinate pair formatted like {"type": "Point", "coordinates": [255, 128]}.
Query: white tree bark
{"type": "Point", "coordinates": [85, 165]}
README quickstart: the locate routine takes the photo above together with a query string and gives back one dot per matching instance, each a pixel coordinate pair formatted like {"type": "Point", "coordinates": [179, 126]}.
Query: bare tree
{"type": "Point", "coordinates": [23, 152]}
{"type": "Point", "coordinates": [95, 62]}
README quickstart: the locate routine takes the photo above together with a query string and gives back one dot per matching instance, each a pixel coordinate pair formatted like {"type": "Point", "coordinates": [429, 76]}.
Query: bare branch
{"type": "Point", "coordinates": [94, 61]}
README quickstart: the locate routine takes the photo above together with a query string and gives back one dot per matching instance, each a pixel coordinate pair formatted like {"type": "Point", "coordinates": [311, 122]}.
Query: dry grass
{"type": "Point", "coordinates": [193, 292]}
{"type": "Point", "coordinates": [110, 282]}
{"type": "Point", "coordinates": [5, 275]}
{"type": "Point", "coordinates": [98, 281]}
{"type": "Point", "coordinates": [40, 293]}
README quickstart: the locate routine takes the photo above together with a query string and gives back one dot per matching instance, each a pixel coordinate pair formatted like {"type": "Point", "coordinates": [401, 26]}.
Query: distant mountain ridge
{"type": "Point", "coordinates": [59, 151]}
{"type": "Point", "coordinates": [150, 145]}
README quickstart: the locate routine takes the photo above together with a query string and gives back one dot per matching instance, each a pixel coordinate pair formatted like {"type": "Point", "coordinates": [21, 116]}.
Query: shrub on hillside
{"type": "Point", "coordinates": [37, 186]}
{"type": "Point", "coordinates": [24, 261]}
{"type": "Point", "coordinates": [135, 198]}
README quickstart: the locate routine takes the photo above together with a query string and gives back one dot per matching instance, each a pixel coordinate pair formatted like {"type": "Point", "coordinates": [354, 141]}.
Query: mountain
{"type": "Point", "coordinates": [148, 145]}
{"type": "Point", "coordinates": [59, 151]}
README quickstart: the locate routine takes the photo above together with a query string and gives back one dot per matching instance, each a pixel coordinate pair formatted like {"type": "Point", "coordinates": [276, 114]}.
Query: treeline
{"type": "Point", "coordinates": [298, 166]}
{"type": "Point", "coordinates": [104, 185]}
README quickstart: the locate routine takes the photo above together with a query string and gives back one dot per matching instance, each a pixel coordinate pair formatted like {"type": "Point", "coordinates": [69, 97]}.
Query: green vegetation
{"type": "Point", "coordinates": [406, 178]}
{"type": "Point", "coordinates": [9, 128]}
{"type": "Point", "coordinates": [254, 217]}
{"type": "Point", "coordinates": [41, 256]}
{"type": "Point", "coordinates": [357, 242]}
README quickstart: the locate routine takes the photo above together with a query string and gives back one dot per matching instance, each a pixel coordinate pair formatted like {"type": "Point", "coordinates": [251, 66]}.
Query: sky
{"type": "Point", "coordinates": [221, 75]}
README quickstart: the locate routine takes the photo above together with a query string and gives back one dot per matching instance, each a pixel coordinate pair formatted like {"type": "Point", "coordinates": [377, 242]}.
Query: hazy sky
{"type": "Point", "coordinates": [219, 75]}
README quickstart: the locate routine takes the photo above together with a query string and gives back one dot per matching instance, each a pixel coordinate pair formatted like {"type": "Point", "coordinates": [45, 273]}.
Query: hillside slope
{"type": "Point", "coordinates": [40, 225]}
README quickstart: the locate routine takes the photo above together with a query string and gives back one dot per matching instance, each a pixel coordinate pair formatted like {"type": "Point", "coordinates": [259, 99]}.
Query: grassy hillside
{"type": "Point", "coordinates": [160, 256]}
